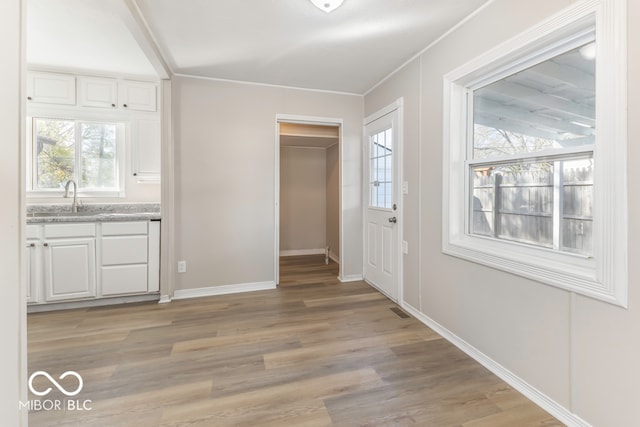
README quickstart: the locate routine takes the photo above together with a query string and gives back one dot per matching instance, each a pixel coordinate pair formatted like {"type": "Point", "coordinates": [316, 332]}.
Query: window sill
{"type": "Point", "coordinates": [58, 194]}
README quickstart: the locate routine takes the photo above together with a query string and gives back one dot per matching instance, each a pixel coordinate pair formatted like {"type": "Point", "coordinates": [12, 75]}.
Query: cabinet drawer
{"type": "Point", "coordinates": [125, 279]}
{"type": "Point", "coordinates": [33, 231]}
{"type": "Point", "coordinates": [124, 228]}
{"type": "Point", "coordinates": [124, 250]}
{"type": "Point", "coordinates": [52, 231]}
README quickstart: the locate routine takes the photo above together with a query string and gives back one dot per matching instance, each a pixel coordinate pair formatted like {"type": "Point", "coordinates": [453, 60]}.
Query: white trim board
{"type": "Point", "coordinates": [222, 290]}
{"type": "Point", "coordinates": [351, 278]}
{"type": "Point", "coordinates": [530, 392]}
{"type": "Point", "coordinates": [298, 252]}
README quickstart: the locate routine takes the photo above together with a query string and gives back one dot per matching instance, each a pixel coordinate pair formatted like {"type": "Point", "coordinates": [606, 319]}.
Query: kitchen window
{"type": "Point", "coordinates": [88, 152]}
{"type": "Point", "coordinates": [535, 154]}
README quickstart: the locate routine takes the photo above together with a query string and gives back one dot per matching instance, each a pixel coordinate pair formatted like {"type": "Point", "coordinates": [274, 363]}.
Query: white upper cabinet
{"type": "Point", "coordinates": [140, 96]}
{"type": "Point", "coordinates": [98, 92]}
{"type": "Point", "coordinates": [146, 160]}
{"type": "Point", "coordinates": [51, 88]}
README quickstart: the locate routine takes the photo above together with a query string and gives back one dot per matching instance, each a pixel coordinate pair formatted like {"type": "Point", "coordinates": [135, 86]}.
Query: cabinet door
{"type": "Point", "coordinates": [70, 269]}
{"type": "Point", "coordinates": [140, 96]}
{"type": "Point", "coordinates": [146, 150]}
{"type": "Point", "coordinates": [98, 92]}
{"type": "Point", "coordinates": [51, 88]}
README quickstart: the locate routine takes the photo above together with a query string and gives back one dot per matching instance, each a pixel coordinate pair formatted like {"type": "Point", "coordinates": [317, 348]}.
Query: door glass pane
{"type": "Point", "coordinates": [381, 169]}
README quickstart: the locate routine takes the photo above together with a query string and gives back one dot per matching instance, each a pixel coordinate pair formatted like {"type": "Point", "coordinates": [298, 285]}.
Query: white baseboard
{"type": "Point", "coordinates": [351, 278]}
{"type": "Point", "coordinates": [164, 299]}
{"type": "Point", "coordinates": [222, 290]}
{"type": "Point", "coordinates": [545, 402]}
{"type": "Point", "coordinates": [298, 252]}
{"type": "Point", "coordinates": [333, 257]}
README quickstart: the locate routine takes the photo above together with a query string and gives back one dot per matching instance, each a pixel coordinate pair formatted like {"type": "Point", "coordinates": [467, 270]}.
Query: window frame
{"type": "Point", "coordinates": [121, 137]}
{"type": "Point", "coordinates": [602, 275]}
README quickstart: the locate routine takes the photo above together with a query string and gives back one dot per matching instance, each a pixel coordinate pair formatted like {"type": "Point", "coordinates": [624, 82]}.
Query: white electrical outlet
{"type": "Point", "coordinates": [405, 247]}
{"type": "Point", "coordinates": [182, 266]}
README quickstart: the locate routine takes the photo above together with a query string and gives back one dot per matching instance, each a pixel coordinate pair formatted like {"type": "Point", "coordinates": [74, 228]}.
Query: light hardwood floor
{"type": "Point", "coordinates": [314, 352]}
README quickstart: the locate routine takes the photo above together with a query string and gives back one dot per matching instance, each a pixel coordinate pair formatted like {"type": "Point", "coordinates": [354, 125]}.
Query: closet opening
{"type": "Point", "coordinates": [308, 233]}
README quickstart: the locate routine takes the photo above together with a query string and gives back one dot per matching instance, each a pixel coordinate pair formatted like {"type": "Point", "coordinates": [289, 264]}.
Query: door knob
{"type": "Point", "coordinates": [393, 219]}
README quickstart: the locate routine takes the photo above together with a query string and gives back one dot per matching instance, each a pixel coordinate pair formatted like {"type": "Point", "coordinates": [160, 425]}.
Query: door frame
{"type": "Point", "coordinates": [306, 120]}
{"type": "Point", "coordinates": [396, 106]}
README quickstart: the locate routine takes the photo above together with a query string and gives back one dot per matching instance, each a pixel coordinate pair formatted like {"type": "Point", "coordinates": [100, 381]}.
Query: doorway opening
{"type": "Point", "coordinates": [308, 203]}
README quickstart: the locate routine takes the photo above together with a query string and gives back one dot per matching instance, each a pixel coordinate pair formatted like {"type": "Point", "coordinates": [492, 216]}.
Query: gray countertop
{"type": "Point", "coordinates": [46, 214]}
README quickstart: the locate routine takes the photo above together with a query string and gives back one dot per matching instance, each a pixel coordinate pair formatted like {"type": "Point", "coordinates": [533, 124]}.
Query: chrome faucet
{"type": "Point", "coordinates": [74, 205]}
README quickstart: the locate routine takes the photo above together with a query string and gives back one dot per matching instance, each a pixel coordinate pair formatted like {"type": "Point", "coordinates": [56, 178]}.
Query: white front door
{"type": "Point", "coordinates": [381, 255]}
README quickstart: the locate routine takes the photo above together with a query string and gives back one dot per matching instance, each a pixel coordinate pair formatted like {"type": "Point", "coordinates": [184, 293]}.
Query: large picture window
{"type": "Point", "coordinates": [535, 154]}
{"type": "Point", "coordinates": [531, 164]}
{"type": "Point", "coordinates": [84, 151]}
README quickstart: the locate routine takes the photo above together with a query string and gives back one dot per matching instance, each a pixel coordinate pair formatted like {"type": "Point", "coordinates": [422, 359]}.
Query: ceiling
{"type": "Point", "coordinates": [83, 35]}
{"type": "Point", "coordinates": [278, 42]}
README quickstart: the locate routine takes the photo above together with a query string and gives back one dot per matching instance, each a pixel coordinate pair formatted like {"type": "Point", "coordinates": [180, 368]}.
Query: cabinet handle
{"type": "Point", "coordinates": [45, 244]}
{"type": "Point", "coordinates": [29, 98]}
{"type": "Point", "coordinates": [124, 105]}
{"type": "Point", "coordinates": [135, 174]}
{"type": "Point", "coordinates": [113, 105]}
{"type": "Point", "coordinates": [31, 245]}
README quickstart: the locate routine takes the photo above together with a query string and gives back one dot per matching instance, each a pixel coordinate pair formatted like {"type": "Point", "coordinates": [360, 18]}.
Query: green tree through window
{"type": "Point", "coordinates": [83, 151]}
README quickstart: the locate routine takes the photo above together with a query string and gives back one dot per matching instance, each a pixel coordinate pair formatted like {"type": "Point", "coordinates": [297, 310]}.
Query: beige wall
{"type": "Point", "coordinates": [225, 177]}
{"type": "Point", "coordinates": [332, 175]}
{"type": "Point", "coordinates": [303, 192]}
{"type": "Point", "coordinates": [580, 352]}
{"type": "Point", "coordinates": [12, 307]}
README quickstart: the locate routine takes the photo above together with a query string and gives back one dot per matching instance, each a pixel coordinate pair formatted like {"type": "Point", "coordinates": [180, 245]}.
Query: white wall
{"type": "Point", "coordinates": [225, 177]}
{"type": "Point", "coordinates": [580, 352]}
{"type": "Point", "coordinates": [303, 198]}
{"type": "Point", "coordinates": [12, 307]}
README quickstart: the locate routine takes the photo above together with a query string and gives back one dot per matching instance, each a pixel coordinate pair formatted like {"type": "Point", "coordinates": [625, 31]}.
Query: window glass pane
{"type": "Point", "coordinates": [54, 151]}
{"type": "Point", "coordinates": [550, 105]}
{"type": "Point", "coordinates": [98, 145]}
{"type": "Point", "coordinates": [516, 202]}
{"type": "Point", "coordinates": [577, 206]}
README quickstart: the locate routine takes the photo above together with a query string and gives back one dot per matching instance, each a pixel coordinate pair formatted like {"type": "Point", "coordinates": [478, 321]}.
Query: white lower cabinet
{"type": "Point", "coordinates": [124, 258]}
{"type": "Point", "coordinates": [80, 261]}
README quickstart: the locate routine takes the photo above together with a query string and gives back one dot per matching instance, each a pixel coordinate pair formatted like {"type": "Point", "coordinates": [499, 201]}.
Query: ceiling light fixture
{"type": "Point", "coordinates": [588, 51]}
{"type": "Point", "coordinates": [327, 5]}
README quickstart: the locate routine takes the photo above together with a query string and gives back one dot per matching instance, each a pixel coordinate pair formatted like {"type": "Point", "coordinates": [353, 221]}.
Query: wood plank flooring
{"type": "Point", "coordinates": [314, 352]}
